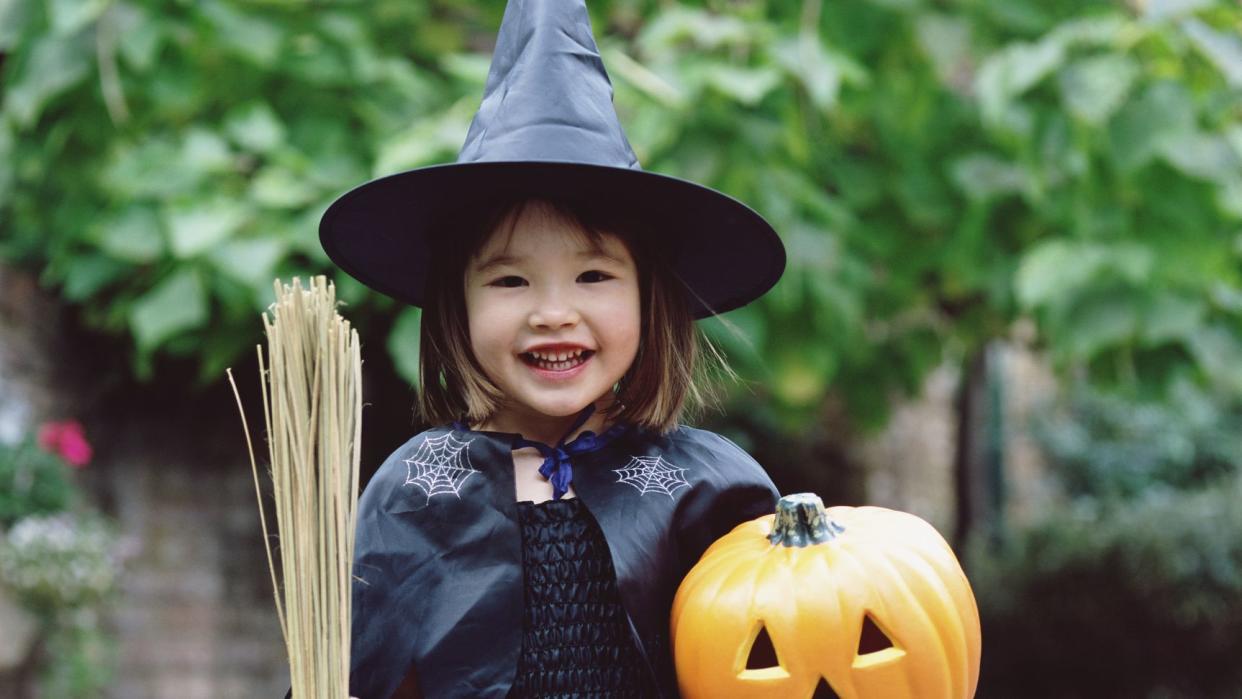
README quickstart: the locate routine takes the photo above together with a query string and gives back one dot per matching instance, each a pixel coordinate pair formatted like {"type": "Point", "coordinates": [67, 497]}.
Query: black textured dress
{"type": "Point", "coordinates": [576, 640]}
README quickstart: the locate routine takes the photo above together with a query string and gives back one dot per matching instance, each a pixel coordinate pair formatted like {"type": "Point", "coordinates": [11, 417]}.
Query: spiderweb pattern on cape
{"type": "Point", "coordinates": [652, 474]}
{"type": "Point", "coordinates": [440, 466]}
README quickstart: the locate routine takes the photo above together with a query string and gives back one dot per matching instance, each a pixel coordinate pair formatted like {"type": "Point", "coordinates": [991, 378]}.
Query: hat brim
{"type": "Point", "coordinates": [726, 254]}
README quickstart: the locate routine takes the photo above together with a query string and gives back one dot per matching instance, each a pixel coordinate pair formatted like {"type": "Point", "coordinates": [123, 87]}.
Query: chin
{"type": "Point", "coordinates": [562, 409]}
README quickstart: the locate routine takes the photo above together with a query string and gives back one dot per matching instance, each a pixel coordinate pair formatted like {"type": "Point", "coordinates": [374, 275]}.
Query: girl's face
{"type": "Point", "coordinates": [554, 319]}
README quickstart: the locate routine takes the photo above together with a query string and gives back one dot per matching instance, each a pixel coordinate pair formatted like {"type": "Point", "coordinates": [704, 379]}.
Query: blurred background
{"type": "Point", "coordinates": [1013, 304]}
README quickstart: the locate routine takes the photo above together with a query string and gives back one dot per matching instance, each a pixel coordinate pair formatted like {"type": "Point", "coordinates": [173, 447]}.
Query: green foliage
{"type": "Point", "coordinates": [1110, 446]}
{"type": "Point", "coordinates": [86, 659]}
{"type": "Point", "coordinates": [1108, 581]}
{"type": "Point", "coordinates": [403, 343]}
{"type": "Point", "coordinates": [936, 171]}
{"type": "Point", "coordinates": [166, 161]}
{"type": "Point", "coordinates": [32, 482]}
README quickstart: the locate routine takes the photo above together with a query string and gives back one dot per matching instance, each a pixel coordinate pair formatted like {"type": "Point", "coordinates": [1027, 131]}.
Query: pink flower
{"type": "Point", "coordinates": [66, 440]}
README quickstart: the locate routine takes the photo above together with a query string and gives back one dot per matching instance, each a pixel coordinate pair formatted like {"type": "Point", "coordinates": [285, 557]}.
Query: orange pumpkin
{"type": "Point", "coordinates": [847, 602]}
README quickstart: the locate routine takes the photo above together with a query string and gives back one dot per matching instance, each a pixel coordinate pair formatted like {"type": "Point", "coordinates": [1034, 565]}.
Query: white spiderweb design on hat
{"type": "Point", "coordinates": [440, 466]}
{"type": "Point", "coordinates": [652, 474]}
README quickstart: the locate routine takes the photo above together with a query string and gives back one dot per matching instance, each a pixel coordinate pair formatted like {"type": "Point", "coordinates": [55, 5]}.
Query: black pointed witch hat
{"type": "Point", "coordinates": [547, 125]}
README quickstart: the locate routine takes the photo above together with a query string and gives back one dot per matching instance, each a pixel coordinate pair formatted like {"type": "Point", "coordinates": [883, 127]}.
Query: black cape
{"type": "Point", "coordinates": [438, 560]}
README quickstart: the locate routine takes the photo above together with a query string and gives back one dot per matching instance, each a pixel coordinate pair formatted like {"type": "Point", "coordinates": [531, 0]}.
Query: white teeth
{"type": "Point", "coordinates": [556, 356]}
{"type": "Point", "coordinates": [557, 361]}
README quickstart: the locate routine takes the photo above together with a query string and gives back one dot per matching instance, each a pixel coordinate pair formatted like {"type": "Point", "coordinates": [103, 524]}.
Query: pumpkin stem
{"type": "Point", "coordinates": [801, 520]}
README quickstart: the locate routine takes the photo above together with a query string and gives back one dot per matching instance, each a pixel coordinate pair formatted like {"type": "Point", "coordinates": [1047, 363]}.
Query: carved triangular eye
{"type": "Point", "coordinates": [762, 663]}
{"type": "Point", "coordinates": [873, 639]}
{"type": "Point", "coordinates": [875, 648]}
{"type": "Point", "coordinates": [823, 690]}
{"type": "Point", "coordinates": [762, 652]}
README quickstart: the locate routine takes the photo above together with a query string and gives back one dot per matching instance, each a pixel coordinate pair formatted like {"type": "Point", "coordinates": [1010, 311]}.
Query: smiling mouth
{"type": "Point", "coordinates": [557, 361]}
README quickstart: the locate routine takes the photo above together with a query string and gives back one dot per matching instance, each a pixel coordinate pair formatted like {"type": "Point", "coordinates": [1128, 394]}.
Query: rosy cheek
{"type": "Point", "coordinates": [482, 340]}
{"type": "Point", "coordinates": [629, 325]}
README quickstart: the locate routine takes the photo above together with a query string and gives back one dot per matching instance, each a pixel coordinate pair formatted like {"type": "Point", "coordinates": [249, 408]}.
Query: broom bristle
{"type": "Point", "coordinates": [312, 404]}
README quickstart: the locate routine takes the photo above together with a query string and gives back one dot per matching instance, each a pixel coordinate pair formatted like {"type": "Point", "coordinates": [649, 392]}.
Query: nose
{"type": "Point", "coordinates": [552, 313]}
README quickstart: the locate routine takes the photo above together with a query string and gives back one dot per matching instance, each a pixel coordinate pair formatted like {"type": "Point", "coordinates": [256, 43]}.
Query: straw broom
{"type": "Point", "coordinates": [312, 405]}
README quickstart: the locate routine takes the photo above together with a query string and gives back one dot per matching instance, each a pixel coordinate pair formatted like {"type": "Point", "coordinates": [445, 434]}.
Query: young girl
{"type": "Point", "coordinates": [532, 543]}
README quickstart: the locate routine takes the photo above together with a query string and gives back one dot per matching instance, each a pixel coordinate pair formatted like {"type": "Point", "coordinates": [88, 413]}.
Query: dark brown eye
{"type": "Point", "coordinates": [509, 282]}
{"type": "Point", "coordinates": [593, 276]}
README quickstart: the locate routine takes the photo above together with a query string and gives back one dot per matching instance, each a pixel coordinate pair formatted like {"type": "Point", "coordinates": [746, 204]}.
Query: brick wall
{"type": "Point", "coordinates": [197, 618]}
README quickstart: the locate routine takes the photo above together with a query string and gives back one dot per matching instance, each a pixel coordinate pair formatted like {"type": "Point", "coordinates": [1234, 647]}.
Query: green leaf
{"type": "Point", "coordinates": [707, 31]}
{"type": "Point", "coordinates": [1056, 269]}
{"type": "Point", "coordinates": [1233, 134]}
{"type": "Point", "coordinates": [85, 275]}
{"type": "Point", "coordinates": [198, 227]}
{"type": "Point", "coordinates": [205, 152]}
{"type": "Point", "coordinates": [177, 304]}
{"type": "Point", "coordinates": [812, 65]}
{"type": "Point", "coordinates": [68, 16]}
{"type": "Point", "coordinates": [746, 85]}
{"type": "Point", "coordinates": [1092, 31]}
{"type": "Point", "coordinates": [137, 171]}
{"type": "Point", "coordinates": [982, 176]}
{"type": "Point", "coordinates": [133, 235]}
{"type": "Point", "coordinates": [468, 68]}
{"type": "Point", "coordinates": [1201, 155]}
{"type": "Point", "coordinates": [14, 14]}
{"type": "Point", "coordinates": [1228, 197]}
{"type": "Point", "coordinates": [255, 127]}
{"type": "Point", "coordinates": [811, 249]}
{"type": "Point", "coordinates": [302, 233]}
{"type": "Point", "coordinates": [323, 66]}
{"type": "Point", "coordinates": [246, 34]}
{"type": "Point", "coordinates": [1223, 49]}
{"type": "Point", "coordinates": [1092, 89]}
{"type": "Point", "coordinates": [1227, 297]}
{"type": "Point", "coordinates": [55, 64]}
{"type": "Point", "coordinates": [1171, 317]}
{"type": "Point", "coordinates": [839, 311]}
{"type": "Point", "coordinates": [142, 34]}
{"type": "Point", "coordinates": [1133, 262]}
{"type": "Point", "coordinates": [426, 141]}
{"type": "Point", "coordinates": [1099, 321]}
{"type": "Point", "coordinates": [252, 260]}
{"type": "Point", "coordinates": [1012, 71]}
{"type": "Point", "coordinates": [1164, 111]}
{"type": "Point", "coordinates": [403, 344]}
{"type": "Point", "coordinates": [947, 42]}
{"type": "Point", "coordinates": [1219, 351]}
{"type": "Point", "coordinates": [1061, 158]}
{"type": "Point", "coordinates": [645, 81]}
{"type": "Point", "coordinates": [1172, 9]}
{"type": "Point", "coordinates": [277, 187]}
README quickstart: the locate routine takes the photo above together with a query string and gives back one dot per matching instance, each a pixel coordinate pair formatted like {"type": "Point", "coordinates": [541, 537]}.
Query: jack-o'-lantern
{"type": "Point", "coordinates": [843, 602]}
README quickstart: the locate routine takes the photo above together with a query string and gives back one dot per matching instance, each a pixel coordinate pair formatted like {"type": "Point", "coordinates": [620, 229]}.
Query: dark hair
{"type": "Point", "coordinates": [667, 376]}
